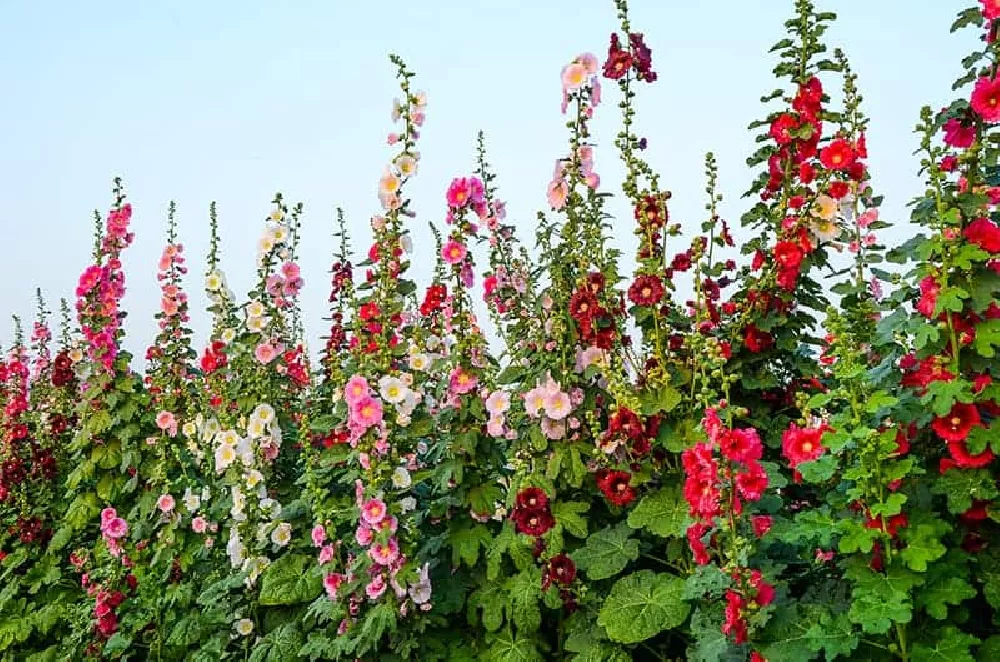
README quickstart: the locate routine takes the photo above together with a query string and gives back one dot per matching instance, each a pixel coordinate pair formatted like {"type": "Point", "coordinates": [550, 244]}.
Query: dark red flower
{"type": "Point", "coordinates": [561, 570]}
{"type": "Point", "coordinates": [646, 290]}
{"type": "Point", "coordinates": [533, 522]}
{"type": "Point", "coordinates": [619, 60]}
{"type": "Point", "coordinates": [642, 58]}
{"type": "Point", "coordinates": [761, 524]}
{"type": "Point", "coordinates": [615, 486]}
{"type": "Point", "coordinates": [532, 498]}
{"type": "Point", "coordinates": [756, 340]}
{"type": "Point", "coordinates": [958, 134]}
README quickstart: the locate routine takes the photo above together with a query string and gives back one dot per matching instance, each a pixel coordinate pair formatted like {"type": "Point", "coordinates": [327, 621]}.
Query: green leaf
{"type": "Point", "coordinates": [951, 645]}
{"type": "Point", "coordinates": [923, 545]}
{"type": "Point", "coordinates": [818, 470]}
{"type": "Point", "coordinates": [881, 600]}
{"type": "Point", "coordinates": [465, 544]}
{"type": "Point", "coordinates": [663, 512]}
{"type": "Point", "coordinates": [491, 599]}
{"type": "Point", "coordinates": [961, 486]}
{"type": "Point", "coordinates": [511, 647]}
{"type": "Point", "coordinates": [607, 552]}
{"type": "Point", "coordinates": [187, 631]}
{"type": "Point", "coordinates": [283, 643]}
{"type": "Point", "coordinates": [642, 605]}
{"type": "Point", "coordinates": [567, 515]}
{"type": "Point", "coordinates": [290, 580]}
{"type": "Point", "coordinates": [833, 634]}
{"type": "Point", "coordinates": [524, 590]}
{"type": "Point", "coordinates": [937, 595]}
{"type": "Point", "coordinates": [987, 337]}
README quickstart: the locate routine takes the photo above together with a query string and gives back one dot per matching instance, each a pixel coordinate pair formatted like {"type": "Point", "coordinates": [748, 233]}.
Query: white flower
{"type": "Point", "coordinates": [264, 412]}
{"type": "Point", "coordinates": [228, 335]}
{"type": "Point", "coordinates": [255, 309]}
{"type": "Point", "coordinates": [408, 504]}
{"type": "Point", "coordinates": [253, 478]}
{"type": "Point", "coordinates": [189, 429]}
{"type": "Point", "coordinates": [279, 234]}
{"type": "Point", "coordinates": [406, 243]}
{"type": "Point", "coordinates": [245, 452]}
{"type": "Point", "coordinates": [244, 627]}
{"type": "Point", "coordinates": [392, 389]}
{"type": "Point", "coordinates": [282, 534]}
{"type": "Point", "coordinates": [214, 281]}
{"type": "Point", "coordinates": [191, 500]}
{"type": "Point", "coordinates": [401, 478]}
{"type": "Point", "coordinates": [225, 454]}
{"type": "Point", "coordinates": [272, 506]}
{"type": "Point", "coordinates": [229, 437]}
{"type": "Point", "coordinates": [235, 548]}
{"type": "Point", "coordinates": [256, 427]}
{"type": "Point", "coordinates": [419, 362]}
{"type": "Point", "coordinates": [265, 245]}
{"type": "Point", "coordinates": [256, 324]}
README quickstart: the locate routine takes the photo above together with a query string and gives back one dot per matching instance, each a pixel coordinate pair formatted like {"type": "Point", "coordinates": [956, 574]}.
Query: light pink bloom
{"type": "Point", "coordinates": [115, 528]}
{"type": "Point", "coordinates": [199, 525]}
{"type": "Point", "coordinates": [557, 405]}
{"type": "Point", "coordinates": [557, 193]}
{"type": "Point", "coordinates": [265, 352]}
{"type": "Point", "coordinates": [366, 412]}
{"type": "Point", "coordinates": [166, 503]}
{"type": "Point", "coordinates": [290, 271]}
{"type": "Point", "coordinates": [534, 401]}
{"type": "Point", "coordinates": [363, 535]}
{"type": "Point", "coordinates": [318, 535]}
{"type": "Point", "coordinates": [462, 382]}
{"type": "Point", "coordinates": [325, 554]}
{"type": "Point", "coordinates": [574, 76]}
{"type": "Point", "coordinates": [166, 421]}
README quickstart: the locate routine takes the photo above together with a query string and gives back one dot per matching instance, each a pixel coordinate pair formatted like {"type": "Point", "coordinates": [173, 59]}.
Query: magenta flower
{"type": "Point", "coordinates": [453, 252]}
{"type": "Point", "coordinates": [373, 511]}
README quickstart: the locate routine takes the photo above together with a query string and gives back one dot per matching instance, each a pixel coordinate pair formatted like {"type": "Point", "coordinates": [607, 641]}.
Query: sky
{"type": "Point", "coordinates": [232, 101]}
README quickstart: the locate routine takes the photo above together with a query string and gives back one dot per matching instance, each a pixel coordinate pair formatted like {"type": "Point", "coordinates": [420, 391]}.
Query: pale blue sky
{"type": "Point", "coordinates": [231, 101]}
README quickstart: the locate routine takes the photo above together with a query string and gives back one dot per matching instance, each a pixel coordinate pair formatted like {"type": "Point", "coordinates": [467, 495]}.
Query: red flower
{"type": "Point", "coordinates": [757, 657]}
{"type": "Point", "coordinates": [735, 624]}
{"type": "Point", "coordinates": [892, 524]}
{"type": "Point", "coordinates": [788, 255]}
{"type": "Point", "coordinates": [615, 486]}
{"type": "Point", "coordinates": [929, 289]}
{"type": "Point", "coordinates": [646, 290]}
{"type": "Point", "coordinates": [761, 524]}
{"type": "Point", "coordinates": [650, 212]}
{"type": "Point", "coordinates": [983, 233]}
{"type": "Point", "coordinates": [740, 445]}
{"type": "Point", "coordinates": [782, 127]}
{"type": "Point", "coordinates": [958, 134]}
{"type": "Point", "coordinates": [756, 340]}
{"type": "Point", "coordinates": [765, 591]}
{"type": "Point", "coordinates": [800, 445]}
{"type": "Point", "coordinates": [986, 99]}
{"type": "Point", "coordinates": [991, 9]}
{"type": "Point", "coordinates": [619, 60]}
{"type": "Point", "coordinates": [752, 482]}
{"type": "Point", "coordinates": [966, 460]}
{"type": "Point", "coordinates": [695, 533]}
{"type": "Point", "coordinates": [582, 305]}
{"type": "Point", "coordinates": [957, 424]}
{"type": "Point", "coordinates": [838, 155]}
{"type": "Point", "coordinates": [839, 189]}
{"type": "Point", "coordinates": [642, 57]}
{"type": "Point", "coordinates": [561, 570]}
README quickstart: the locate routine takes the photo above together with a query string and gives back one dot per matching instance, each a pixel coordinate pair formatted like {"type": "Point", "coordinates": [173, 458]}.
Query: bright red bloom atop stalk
{"type": "Point", "coordinates": [838, 155]}
{"type": "Point", "coordinates": [741, 445]}
{"type": "Point", "coordinates": [646, 290]}
{"type": "Point", "coordinates": [956, 425]}
{"type": "Point", "coordinates": [929, 288]}
{"type": "Point", "coordinates": [615, 486]}
{"type": "Point", "coordinates": [788, 255]}
{"type": "Point", "coordinates": [991, 9]}
{"type": "Point", "coordinates": [986, 99]}
{"type": "Point", "coordinates": [800, 445]}
{"type": "Point", "coordinates": [983, 233]}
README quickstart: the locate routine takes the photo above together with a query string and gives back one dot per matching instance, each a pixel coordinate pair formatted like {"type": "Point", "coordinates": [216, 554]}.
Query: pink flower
{"type": "Point", "coordinates": [366, 412]}
{"type": "Point", "coordinates": [166, 503]}
{"type": "Point", "coordinates": [462, 382]}
{"type": "Point", "coordinates": [166, 421]}
{"type": "Point", "coordinates": [363, 535]}
{"type": "Point", "coordinates": [325, 554]}
{"type": "Point", "coordinates": [384, 554]}
{"type": "Point", "coordinates": [290, 271]}
{"type": "Point", "coordinates": [115, 528]}
{"type": "Point", "coordinates": [331, 583]}
{"type": "Point", "coordinates": [373, 511]}
{"type": "Point", "coordinates": [265, 352]}
{"type": "Point", "coordinates": [107, 515]}
{"type": "Point", "coordinates": [199, 525]}
{"type": "Point", "coordinates": [574, 76]}
{"type": "Point", "coordinates": [453, 252]}
{"type": "Point", "coordinates": [557, 405]}
{"type": "Point", "coordinates": [355, 389]}
{"type": "Point", "coordinates": [460, 193]}
{"type": "Point", "coordinates": [318, 535]}
{"type": "Point", "coordinates": [557, 193]}
{"type": "Point", "coordinates": [375, 588]}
